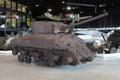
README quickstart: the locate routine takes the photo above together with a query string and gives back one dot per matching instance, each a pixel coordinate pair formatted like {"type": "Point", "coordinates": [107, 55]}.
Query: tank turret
{"type": "Point", "coordinates": [59, 27]}
{"type": "Point", "coordinates": [51, 43]}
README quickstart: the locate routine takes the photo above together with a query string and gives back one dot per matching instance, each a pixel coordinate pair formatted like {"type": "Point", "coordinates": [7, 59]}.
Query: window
{"type": "Point", "coordinates": [1, 3]}
{"type": "Point", "coordinates": [19, 7]}
{"type": "Point", "coordinates": [13, 6]}
{"type": "Point", "coordinates": [23, 8]}
{"type": "Point", "coordinates": [8, 4]}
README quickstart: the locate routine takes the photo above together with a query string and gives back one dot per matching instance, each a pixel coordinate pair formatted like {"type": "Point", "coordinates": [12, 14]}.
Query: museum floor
{"type": "Point", "coordinates": [99, 69]}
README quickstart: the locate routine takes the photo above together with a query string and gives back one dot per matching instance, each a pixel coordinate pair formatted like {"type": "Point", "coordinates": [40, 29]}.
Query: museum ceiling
{"type": "Point", "coordinates": [38, 7]}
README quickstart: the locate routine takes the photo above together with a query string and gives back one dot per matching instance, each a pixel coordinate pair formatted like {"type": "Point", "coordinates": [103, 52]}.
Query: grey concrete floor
{"type": "Point", "coordinates": [99, 69]}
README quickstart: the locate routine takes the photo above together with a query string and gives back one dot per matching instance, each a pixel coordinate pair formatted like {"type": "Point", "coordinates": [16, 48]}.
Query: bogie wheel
{"type": "Point", "coordinates": [15, 51]}
{"type": "Point", "coordinates": [50, 63]}
{"type": "Point", "coordinates": [20, 58]}
{"type": "Point", "coordinates": [27, 59]}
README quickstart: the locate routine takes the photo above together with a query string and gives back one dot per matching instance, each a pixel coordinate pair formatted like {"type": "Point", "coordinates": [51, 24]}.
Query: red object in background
{"type": "Point", "coordinates": [67, 15]}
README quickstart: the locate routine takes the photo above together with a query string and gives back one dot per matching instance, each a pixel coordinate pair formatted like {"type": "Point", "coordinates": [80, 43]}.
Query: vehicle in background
{"type": "Point", "coordinates": [93, 38]}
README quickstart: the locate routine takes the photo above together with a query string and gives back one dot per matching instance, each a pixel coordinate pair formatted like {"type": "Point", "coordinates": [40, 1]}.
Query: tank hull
{"type": "Point", "coordinates": [53, 48]}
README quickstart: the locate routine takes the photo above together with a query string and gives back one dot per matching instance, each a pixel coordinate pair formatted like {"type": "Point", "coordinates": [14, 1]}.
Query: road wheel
{"type": "Point", "coordinates": [27, 59]}
{"type": "Point", "coordinates": [50, 63]}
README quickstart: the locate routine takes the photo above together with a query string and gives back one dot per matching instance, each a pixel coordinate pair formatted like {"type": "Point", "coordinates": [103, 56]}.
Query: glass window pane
{"type": "Point", "coordinates": [1, 3]}
{"type": "Point", "coordinates": [13, 6]}
{"type": "Point", "coordinates": [8, 4]}
{"type": "Point", "coordinates": [19, 7]}
{"type": "Point", "coordinates": [23, 8]}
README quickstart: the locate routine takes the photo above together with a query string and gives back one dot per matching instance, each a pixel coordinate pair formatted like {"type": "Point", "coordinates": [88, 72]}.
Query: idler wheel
{"type": "Point", "coordinates": [27, 59]}
{"type": "Point", "coordinates": [15, 51]}
{"type": "Point", "coordinates": [20, 58]}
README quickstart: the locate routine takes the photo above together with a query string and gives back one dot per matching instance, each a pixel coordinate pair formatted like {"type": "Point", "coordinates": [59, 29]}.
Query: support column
{"type": "Point", "coordinates": [16, 13]}
{"type": "Point", "coordinates": [5, 18]}
{"type": "Point", "coordinates": [10, 13]}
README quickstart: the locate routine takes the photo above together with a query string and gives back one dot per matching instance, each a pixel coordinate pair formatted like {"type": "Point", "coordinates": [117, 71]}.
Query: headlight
{"type": "Point", "coordinates": [97, 43]}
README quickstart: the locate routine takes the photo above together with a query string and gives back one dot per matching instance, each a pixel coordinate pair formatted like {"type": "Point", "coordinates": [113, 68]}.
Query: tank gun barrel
{"type": "Point", "coordinates": [91, 19]}
{"type": "Point", "coordinates": [71, 27]}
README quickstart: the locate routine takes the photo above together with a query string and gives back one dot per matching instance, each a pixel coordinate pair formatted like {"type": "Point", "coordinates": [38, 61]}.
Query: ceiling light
{"type": "Point", "coordinates": [50, 9]}
{"type": "Point", "coordinates": [81, 12]}
{"type": "Point", "coordinates": [36, 5]}
{"type": "Point", "coordinates": [30, 12]}
{"type": "Point", "coordinates": [104, 10]}
{"type": "Point", "coordinates": [102, 5]}
{"type": "Point", "coordinates": [68, 8]}
{"type": "Point", "coordinates": [63, 2]}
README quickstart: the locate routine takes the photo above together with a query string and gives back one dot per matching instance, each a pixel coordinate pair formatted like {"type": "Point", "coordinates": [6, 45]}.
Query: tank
{"type": "Point", "coordinates": [53, 43]}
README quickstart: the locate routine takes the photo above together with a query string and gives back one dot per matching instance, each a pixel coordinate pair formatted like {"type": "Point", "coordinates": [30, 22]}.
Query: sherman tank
{"type": "Point", "coordinates": [53, 43]}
